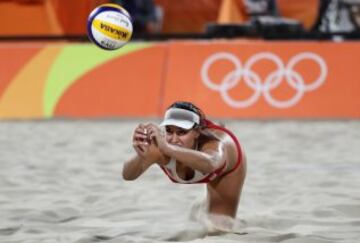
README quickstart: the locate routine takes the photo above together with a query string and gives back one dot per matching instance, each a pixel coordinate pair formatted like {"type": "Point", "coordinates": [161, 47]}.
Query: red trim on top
{"type": "Point", "coordinates": [168, 174]}
{"type": "Point", "coordinates": [210, 124]}
{"type": "Point", "coordinates": [217, 172]}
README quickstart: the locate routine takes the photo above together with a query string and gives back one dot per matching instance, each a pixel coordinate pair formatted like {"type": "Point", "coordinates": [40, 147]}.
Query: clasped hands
{"type": "Point", "coordinates": [148, 141]}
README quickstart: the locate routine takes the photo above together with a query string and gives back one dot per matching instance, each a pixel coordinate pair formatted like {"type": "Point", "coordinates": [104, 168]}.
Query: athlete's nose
{"type": "Point", "coordinates": [173, 139]}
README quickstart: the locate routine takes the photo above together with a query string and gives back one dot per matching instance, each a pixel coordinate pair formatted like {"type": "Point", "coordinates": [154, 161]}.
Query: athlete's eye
{"type": "Point", "coordinates": [182, 132]}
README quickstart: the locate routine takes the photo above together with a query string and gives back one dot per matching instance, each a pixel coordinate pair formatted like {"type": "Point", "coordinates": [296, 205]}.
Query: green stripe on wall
{"type": "Point", "coordinates": [74, 61]}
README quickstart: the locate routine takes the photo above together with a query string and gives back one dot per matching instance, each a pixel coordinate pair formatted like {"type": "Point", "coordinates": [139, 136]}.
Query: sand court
{"type": "Point", "coordinates": [60, 181]}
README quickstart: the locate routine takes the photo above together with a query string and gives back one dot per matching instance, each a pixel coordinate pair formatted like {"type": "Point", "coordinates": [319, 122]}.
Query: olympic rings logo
{"type": "Point", "coordinates": [263, 87]}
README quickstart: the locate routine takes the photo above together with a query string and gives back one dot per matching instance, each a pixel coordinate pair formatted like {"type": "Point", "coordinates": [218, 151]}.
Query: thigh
{"type": "Point", "coordinates": [224, 193]}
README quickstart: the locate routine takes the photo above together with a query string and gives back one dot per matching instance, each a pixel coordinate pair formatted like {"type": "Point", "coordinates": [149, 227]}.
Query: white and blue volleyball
{"type": "Point", "coordinates": [109, 26]}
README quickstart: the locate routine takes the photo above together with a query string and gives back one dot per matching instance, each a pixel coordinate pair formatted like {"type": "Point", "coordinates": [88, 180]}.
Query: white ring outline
{"type": "Point", "coordinates": [253, 80]}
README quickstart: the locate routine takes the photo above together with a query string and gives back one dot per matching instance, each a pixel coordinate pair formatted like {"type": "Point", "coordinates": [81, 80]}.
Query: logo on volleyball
{"type": "Point", "coordinates": [263, 86]}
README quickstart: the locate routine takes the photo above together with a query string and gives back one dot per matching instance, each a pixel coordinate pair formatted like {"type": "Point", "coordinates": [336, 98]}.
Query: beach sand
{"type": "Point", "coordinates": [60, 181]}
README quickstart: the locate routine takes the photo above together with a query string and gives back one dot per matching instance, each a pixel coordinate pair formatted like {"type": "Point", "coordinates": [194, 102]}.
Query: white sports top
{"type": "Point", "coordinates": [199, 177]}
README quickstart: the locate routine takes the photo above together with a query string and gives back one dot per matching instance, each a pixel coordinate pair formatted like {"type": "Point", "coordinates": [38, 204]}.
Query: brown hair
{"type": "Point", "coordinates": [191, 107]}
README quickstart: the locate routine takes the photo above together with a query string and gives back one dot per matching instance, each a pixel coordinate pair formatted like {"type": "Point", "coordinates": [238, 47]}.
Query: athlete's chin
{"type": "Point", "coordinates": [178, 145]}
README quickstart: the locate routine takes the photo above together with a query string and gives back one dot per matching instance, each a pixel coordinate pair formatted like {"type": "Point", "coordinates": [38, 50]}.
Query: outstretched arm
{"type": "Point", "coordinates": [207, 160]}
{"type": "Point", "coordinates": [134, 167]}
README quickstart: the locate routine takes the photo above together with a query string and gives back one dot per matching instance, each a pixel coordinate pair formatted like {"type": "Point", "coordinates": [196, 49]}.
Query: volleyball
{"type": "Point", "coordinates": [109, 26]}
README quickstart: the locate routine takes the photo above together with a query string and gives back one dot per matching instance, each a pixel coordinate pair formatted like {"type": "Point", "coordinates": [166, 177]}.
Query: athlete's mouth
{"type": "Point", "coordinates": [179, 145]}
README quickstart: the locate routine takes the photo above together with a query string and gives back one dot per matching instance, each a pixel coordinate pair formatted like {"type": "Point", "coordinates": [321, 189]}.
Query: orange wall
{"type": "Point", "coordinates": [228, 79]}
{"type": "Point", "coordinates": [25, 18]}
{"type": "Point", "coordinates": [45, 17]}
{"type": "Point", "coordinates": [72, 15]}
{"type": "Point", "coordinates": [241, 79]}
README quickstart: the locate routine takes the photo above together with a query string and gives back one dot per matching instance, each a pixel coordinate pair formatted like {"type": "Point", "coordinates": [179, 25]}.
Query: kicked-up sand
{"type": "Point", "coordinates": [60, 181]}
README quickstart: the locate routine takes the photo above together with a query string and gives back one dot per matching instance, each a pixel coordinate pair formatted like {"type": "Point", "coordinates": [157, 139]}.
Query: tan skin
{"type": "Point", "coordinates": [156, 146]}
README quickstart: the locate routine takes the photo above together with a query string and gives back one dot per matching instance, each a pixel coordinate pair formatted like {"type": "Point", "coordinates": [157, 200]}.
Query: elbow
{"type": "Point", "coordinates": [127, 177]}
{"type": "Point", "coordinates": [210, 167]}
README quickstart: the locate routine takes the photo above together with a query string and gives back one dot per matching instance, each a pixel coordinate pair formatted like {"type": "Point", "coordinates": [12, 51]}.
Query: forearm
{"type": "Point", "coordinates": [133, 168]}
{"type": "Point", "coordinates": [194, 159]}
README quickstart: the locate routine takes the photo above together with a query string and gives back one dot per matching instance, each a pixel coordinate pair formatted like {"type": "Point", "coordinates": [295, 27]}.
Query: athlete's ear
{"type": "Point", "coordinates": [197, 133]}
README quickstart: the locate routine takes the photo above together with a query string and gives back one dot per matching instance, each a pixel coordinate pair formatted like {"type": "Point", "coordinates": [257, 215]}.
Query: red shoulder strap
{"type": "Point", "coordinates": [212, 125]}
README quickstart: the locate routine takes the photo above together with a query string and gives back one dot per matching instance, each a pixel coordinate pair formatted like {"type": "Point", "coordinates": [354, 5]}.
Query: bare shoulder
{"type": "Point", "coordinates": [219, 135]}
{"type": "Point", "coordinates": [209, 140]}
{"type": "Point", "coordinates": [209, 145]}
{"type": "Point", "coordinates": [228, 144]}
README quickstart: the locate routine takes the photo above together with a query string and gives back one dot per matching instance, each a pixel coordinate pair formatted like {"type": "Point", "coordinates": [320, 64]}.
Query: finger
{"type": "Point", "coordinates": [140, 136]}
{"type": "Point", "coordinates": [151, 130]}
{"type": "Point", "coordinates": [153, 133]}
{"type": "Point", "coordinates": [140, 130]}
{"type": "Point", "coordinates": [150, 126]}
{"type": "Point", "coordinates": [137, 138]}
{"type": "Point", "coordinates": [139, 127]}
{"type": "Point", "coordinates": [140, 147]}
{"type": "Point", "coordinates": [142, 142]}
{"type": "Point", "coordinates": [142, 139]}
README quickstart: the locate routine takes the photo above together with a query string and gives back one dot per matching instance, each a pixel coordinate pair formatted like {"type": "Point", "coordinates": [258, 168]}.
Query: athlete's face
{"type": "Point", "coordinates": [181, 137]}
